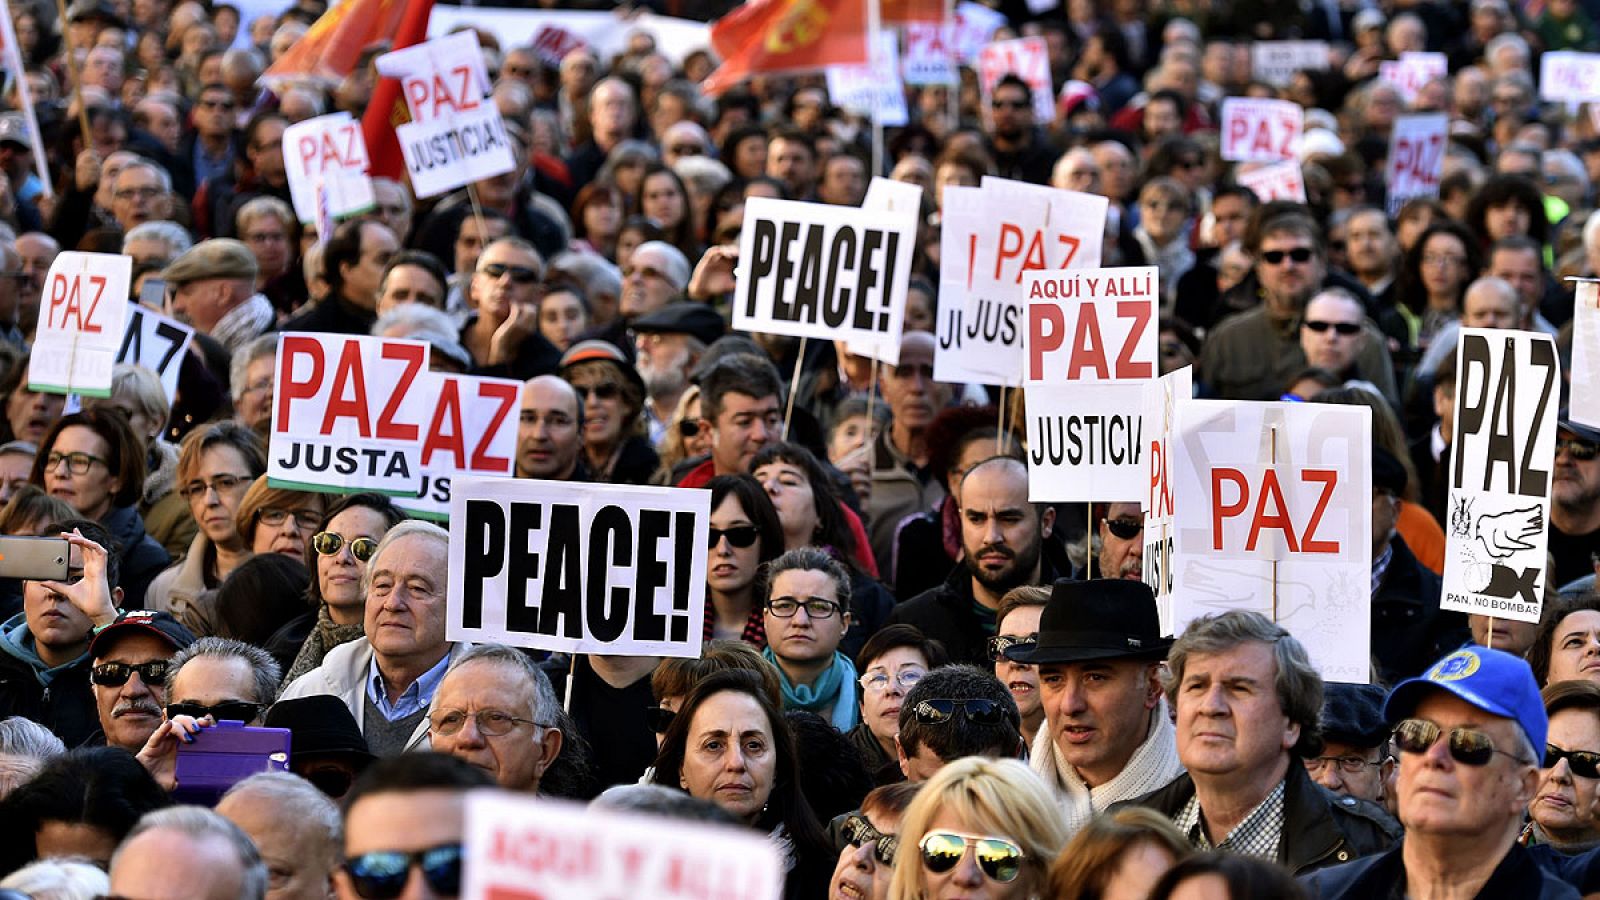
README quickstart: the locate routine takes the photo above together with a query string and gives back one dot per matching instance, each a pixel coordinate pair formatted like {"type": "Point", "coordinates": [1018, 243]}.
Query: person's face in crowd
{"type": "Point", "coordinates": [645, 285]}
{"type": "Point", "coordinates": [1525, 271]}
{"type": "Point", "coordinates": [562, 317]}
{"type": "Point", "coordinates": [1365, 777]}
{"type": "Point", "coordinates": [138, 197]}
{"type": "Point", "coordinates": [91, 492]}
{"type": "Point", "coordinates": [914, 169]}
{"type": "Point", "coordinates": [1509, 635]}
{"type": "Point", "coordinates": [405, 599]}
{"type": "Point", "coordinates": [750, 156]}
{"type": "Point", "coordinates": [1137, 871]}
{"type": "Point", "coordinates": [103, 68]}
{"type": "Point", "coordinates": [144, 868]}
{"type": "Point", "coordinates": [1409, 228]}
{"type": "Point", "coordinates": [662, 201]}
{"type": "Point", "coordinates": [966, 879]}
{"type": "Point", "coordinates": [1338, 255]}
{"type": "Point", "coordinates": [605, 414]}
{"type": "Point", "coordinates": [1162, 215]}
{"type": "Point", "coordinates": [743, 426]}
{"type": "Point", "coordinates": [628, 240]}
{"type": "Point", "coordinates": [410, 284]}
{"type": "Point", "coordinates": [1444, 265]}
{"type": "Point", "coordinates": [292, 528]}
{"type": "Point", "coordinates": [859, 875]}
{"type": "Point", "coordinates": [790, 490]}
{"type": "Point", "coordinates": [131, 712]}
{"type": "Point", "coordinates": [15, 469]}
{"type": "Point", "coordinates": [1289, 282]}
{"type": "Point", "coordinates": [809, 105]}
{"type": "Point", "coordinates": [60, 630]}
{"type": "Point", "coordinates": [1331, 334]}
{"type": "Point", "coordinates": [201, 303]}
{"type": "Point", "coordinates": [211, 680]}
{"type": "Point", "coordinates": [1098, 712]}
{"type": "Point", "coordinates": [1385, 515]}
{"type": "Point", "coordinates": [952, 173]}
{"type": "Point", "coordinates": [602, 218]}
{"type": "Point", "coordinates": [299, 866]}
{"type": "Point", "coordinates": [730, 569]}
{"type": "Point", "coordinates": [268, 239]}
{"type": "Point", "coordinates": [792, 163]}
{"type": "Point", "coordinates": [850, 435]}
{"type": "Point", "coordinates": [1013, 113]}
{"type": "Point", "coordinates": [1117, 169]}
{"type": "Point", "coordinates": [1576, 482]}
{"type": "Point", "coordinates": [255, 405]}
{"type": "Point", "coordinates": [213, 115]}
{"type": "Point", "coordinates": [1175, 354]}
{"type": "Point", "coordinates": [547, 433]}
{"type": "Point", "coordinates": [404, 821]}
{"type": "Point", "coordinates": [214, 490]}
{"type": "Point", "coordinates": [393, 206]}
{"type": "Point", "coordinates": [1001, 532]}
{"type": "Point", "coordinates": [1161, 120]}
{"type": "Point", "coordinates": [881, 702]}
{"type": "Point", "coordinates": [1229, 216]}
{"type": "Point", "coordinates": [31, 413]}
{"type": "Point", "coordinates": [1371, 247]}
{"type": "Point", "coordinates": [1575, 648]}
{"type": "Point", "coordinates": [361, 280]}
{"type": "Point", "coordinates": [472, 237]}
{"type": "Point", "coordinates": [1564, 805]}
{"type": "Point", "coordinates": [339, 575]}
{"type": "Point", "coordinates": [1506, 220]}
{"type": "Point", "coordinates": [919, 314]}
{"type": "Point", "coordinates": [802, 639]}
{"type": "Point", "coordinates": [913, 396]}
{"type": "Point", "coordinates": [1021, 679]}
{"type": "Point", "coordinates": [518, 759]}
{"type": "Point", "coordinates": [266, 151]}
{"type": "Point", "coordinates": [498, 296]}
{"type": "Point", "coordinates": [697, 444]}
{"type": "Point", "coordinates": [611, 112]}
{"type": "Point", "coordinates": [1233, 266]}
{"type": "Point", "coordinates": [1122, 557]}
{"type": "Point", "coordinates": [844, 181]}
{"type": "Point", "coordinates": [1078, 171]}
{"type": "Point", "coordinates": [663, 362]}
{"type": "Point", "coordinates": [730, 757]}
{"type": "Point", "coordinates": [1229, 718]}
{"type": "Point", "coordinates": [578, 72]}
{"type": "Point", "coordinates": [1439, 796]}
{"type": "Point", "coordinates": [38, 251]}
{"type": "Point", "coordinates": [1487, 306]}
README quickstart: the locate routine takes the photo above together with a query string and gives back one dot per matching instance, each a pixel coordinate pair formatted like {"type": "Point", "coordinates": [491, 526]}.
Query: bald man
{"type": "Point", "coordinates": [548, 433]}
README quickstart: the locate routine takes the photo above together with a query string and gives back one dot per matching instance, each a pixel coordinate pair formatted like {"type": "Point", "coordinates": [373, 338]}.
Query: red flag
{"type": "Point", "coordinates": [388, 108]}
{"type": "Point", "coordinates": [768, 36]}
{"type": "Point", "coordinates": [899, 12]}
{"type": "Point", "coordinates": [329, 50]}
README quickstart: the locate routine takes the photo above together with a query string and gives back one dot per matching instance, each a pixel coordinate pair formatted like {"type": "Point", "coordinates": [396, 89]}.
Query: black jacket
{"type": "Point", "coordinates": [1320, 828]}
{"type": "Point", "coordinates": [332, 315]}
{"type": "Point", "coordinates": [1518, 877]}
{"type": "Point", "coordinates": [141, 557]}
{"type": "Point", "coordinates": [66, 707]}
{"type": "Point", "coordinates": [1409, 630]}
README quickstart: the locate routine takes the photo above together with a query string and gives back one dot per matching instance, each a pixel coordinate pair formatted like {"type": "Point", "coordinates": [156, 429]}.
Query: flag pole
{"type": "Point", "coordinates": [874, 53]}
{"type": "Point", "coordinates": [76, 72]}
{"type": "Point", "coordinates": [952, 91]}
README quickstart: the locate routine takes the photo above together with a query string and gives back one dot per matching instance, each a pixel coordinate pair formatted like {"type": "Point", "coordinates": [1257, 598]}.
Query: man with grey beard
{"type": "Point", "coordinates": [670, 343]}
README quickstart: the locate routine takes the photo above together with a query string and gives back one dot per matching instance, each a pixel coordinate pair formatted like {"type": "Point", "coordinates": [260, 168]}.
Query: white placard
{"type": "Point", "coordinates": [901, 197]}
{"type": "Point", "coordinates": [1159, 404]}
{"type": "Point", "coordinates": [552, 43]}
{"type": "Point", "coordinates": [472, 431]}
{"type": "Point", "coordinates": [1585, 405]}
{"type": "Point", "coordinates": [1417, 146]}
{"type": "Point", "coordinates": [521, 847]}
{"type": "Point", "coordinates": [608, 33]}
{"type": "Point", "coordinates": [1275, 62]}
{"type": "Point", "coordinates": [863, 89]}
{"type": "Point", "coordinates": [1259, 130]}
{"type": "Point", "coordinates": [830, 272]}
{"type": "Point", "coordinates": [929, 54]}
{"type": "Point", "coordinates": [578, 568]}
{"type": "Point", "coordinates": [975, 25]}
{"type": "Point", "coordinates": [1412, 71]}
{"type": "Point", "coordinates": [327, 150]}
{"type": "Point", "coordinates": [1567, 76]}
{"type": "Point", "coordinates": [1508, 388]}
{"type": "Point", "coordinates": [1273, 514]}
{"type": "Point", "coordinates": [1027, 58]}
{"type": "Point", "coordinates": [348, 414]}
{"type": "Point", "coordinates": [82, 318]}
{"type": "Point", "coordinates": [1275, 181]}
{"type": "Point", "coordinates": [455, 135]}
{"type": "Point", "coordinates": [157, 343]}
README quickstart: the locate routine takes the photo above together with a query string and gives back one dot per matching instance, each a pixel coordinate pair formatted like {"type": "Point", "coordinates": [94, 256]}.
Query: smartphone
{"type": "Point", "coordinates": [154, 294]}
{"type": "Point", "coordinates": [34, 558]}
{"type": "Point", "coordinates": [224, 755]}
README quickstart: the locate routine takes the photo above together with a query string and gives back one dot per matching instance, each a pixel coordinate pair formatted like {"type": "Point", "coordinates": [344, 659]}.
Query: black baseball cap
{"type": "Point", "coordinates": [141, 621]}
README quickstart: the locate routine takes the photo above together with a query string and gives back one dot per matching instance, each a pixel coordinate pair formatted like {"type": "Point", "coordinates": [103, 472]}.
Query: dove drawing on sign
{"type": "Point", "coordinates": [1503, 534]}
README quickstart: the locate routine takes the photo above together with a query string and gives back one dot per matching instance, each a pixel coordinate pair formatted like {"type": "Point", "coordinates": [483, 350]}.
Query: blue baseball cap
{"type": "Point", "coordinates": [1492, 680]}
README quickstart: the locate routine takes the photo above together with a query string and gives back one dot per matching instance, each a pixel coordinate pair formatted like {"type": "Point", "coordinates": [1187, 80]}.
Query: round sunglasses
{"type": "Point", "coordinates": [328, 544]}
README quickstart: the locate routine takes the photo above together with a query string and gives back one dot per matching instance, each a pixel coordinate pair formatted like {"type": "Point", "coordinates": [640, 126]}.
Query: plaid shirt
{"type": "Point", "coordinates": [1258, 835]}
{"type": "Point", "coordinates": [755, 627]}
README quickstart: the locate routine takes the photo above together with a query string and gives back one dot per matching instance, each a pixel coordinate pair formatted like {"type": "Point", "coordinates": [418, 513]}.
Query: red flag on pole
{"type": "Point", "coordinates": [388, 108]}
{"type": "Point", "coordinates": [329, 50]}
{"type": "Point", "coordinates": [769, 36]}
{"type": "Point", "coordinates": [899, 12]}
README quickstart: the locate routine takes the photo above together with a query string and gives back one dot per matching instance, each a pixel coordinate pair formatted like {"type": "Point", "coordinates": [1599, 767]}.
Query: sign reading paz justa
{"type": "Point", "coordinates": [157, 343]}
{"type": "Point", "coordinates": [1091, 347]}
{"type": "Point", "coordinates": [328, 151]}
{"type": "Point", "coordinates": [454, 137]}
{"type": "Point", "coordinates": [1416, 157]}
{"type": "Point", "coordinates": [471, 430]}
{"type": "Point", "coordinates": [1508, 386]}
{"type": "Point", "coordinates": [81, 323]}
{"type": "Point", "coordinates": [1259, 130]}
{"type": "Point", "coordinates": [607, 569]}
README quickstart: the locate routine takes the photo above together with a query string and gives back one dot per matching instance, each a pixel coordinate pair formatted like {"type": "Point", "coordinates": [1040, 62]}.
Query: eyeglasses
{"type": "Point", "coordinates": [1582, 451]}
{"type": "Point", "coordinates": [997, 103]}
{"type": "Point", "coordinates": [816, 607]}
{"type": "Point", "coordinates": [1431, 259]}
{"type": "Point", "coordinates": [1347, 329]}
{"type": "Point", "coordinates": [115, 674]}
{"type": "Point", "coordinates": [1583, 763]}
{"type": "Point", "coordinates": [1000, 643]}
{"type": "Point", "coordinates": [858, 831]}
{"type": "Point", "coordinates": [519, 274]}
{"type": "Point", "coordinates": [1124, 528]}
{"type": "Point", "coordinates": [77, 463]}
{"type": "Point", "coordinates": [303, 518]}
{"type": "Point", "coordinates": [978, 710]}
{"type": "Point", "coordinates": [227, 710]}
{"type": "Point", "coordinates": [740, 536]}
{"type": "Point", "coordinates": [491, 722]}
{"type": "Point", "coordinates": [1467, 746]}
{"type": "Point", "coordinates": [382, 874]}
{"type": "Point", "coordinates": [659, 718]}
{"type": "Point", "coordinates": [1349, 765]}
{"type": "Point", "coordinates": [328, 544]}
{"type": "Point", "coordinates": [999, 859]}
{"type": "Point", "coordinates": [609, 390]}
{"type": "Point", "coordinates": [216, 104]}
{"type": "Point", "coordinates": [1276, 257]}
{"type": "Point", "coordinates": [222, 484]}
{"type": "Point", "coordinates": [878, 682]}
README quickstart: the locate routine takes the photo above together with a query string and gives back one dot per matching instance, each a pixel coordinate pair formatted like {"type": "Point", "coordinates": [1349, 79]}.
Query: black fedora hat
{"type": "Point", "coordinates": [1106, 618]}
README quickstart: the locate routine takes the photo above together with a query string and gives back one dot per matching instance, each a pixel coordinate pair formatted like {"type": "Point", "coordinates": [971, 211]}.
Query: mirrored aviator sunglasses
{"type": "Point", "coordinates": [999, 859]}
{"type": "Point", "coordinates": [859, 832]}
{"type": "Point", "coordinates": [382, 874]}
{"type": "Point", "coordinates": [1467, 746]}
{"type": "Point", "coordinates": [978, 710]}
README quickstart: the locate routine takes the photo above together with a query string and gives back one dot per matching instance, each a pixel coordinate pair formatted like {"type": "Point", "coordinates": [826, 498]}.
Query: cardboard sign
{"type": "Point", "coordinates": [521, 847]}
{"type": "Point", "coordinates": [830, 272]}
{"type": "Point", "coordinates": [1027, 58]}
{"type": "Point", "coordinates": [578, 568]}
{"type": "Point", "coordinates": [157, 343]}
{"type": "Point", "coordinates": [327, 150]}
{"type": "Point", "coordinates": [929, 56]}
{"type": "Point", "coordinates": [1273, 514]}
{"type": "Point", "coordinates": [83, 314]}
{"type": "Point", "coordinates": [1508, 389]}
{"type": "Point", "coordinates": [1256, 130]}
{"type": "Point", "coordinates": [455, 135]}
{"type": "Point", "coordinates": [1585, 405]}
{"type": "Point", "coordinates": [1091, 347]}
{"type": "Point", "coordinates": [872, 89]}
{"type": "Point", "coordinates": [1275, 181]}
{"type": "Point", "coordinates": [1412, 72]}
{"type": "Point", "coordinates": [1159, 408]}
{"type": "Point", "coordinates": [552, 43]}
{"type": "Point", "coordinates": [1275, 62]}
{"type": "Point", "coordinates": [1417, 146]}
{"type": "Point", "coordinates": [472, 430]}
{"type": "Point", "coordinates": [348, 413]}
{"type": "Point", "coordinates": [1567, 76]}
{"type": "Point", "coordinates": [898, 197]}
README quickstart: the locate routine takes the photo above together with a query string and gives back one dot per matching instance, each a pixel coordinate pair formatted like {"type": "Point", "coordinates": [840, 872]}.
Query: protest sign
{"type": "Point", "coordinates": [1416, 157]}
{"type": "Point", "coordinates": [157, 343]}
{"type": "Point", "coordinates": [975, 24]}
{"type": "Point", "coordinates": [929, 56]}
{"type": "Point", "coordinates": [1412, 71]}
{"type": "Point", "coordinates": [1272, 513]}
{"type": "Point", "coordinates": [1158, 405]}
{"type": "Point", "coordinates": [1027, 58]}
{"type": "Point", "coordinates": [1091, 347]}
{"type": "Point", "coordinates": [607, 33]}
{"type": "Point", "coordinates": [1585, 405]}
{"type": "Point", "coordinates": [552, 43]}
{"type": "Point", "coordinates": [348, 414]}
{"type": "Point", "coordinates": [1567, 76]}
{"type": "Point", "coordinates": [472, 430]}
{"type": "Point", "coordinates": [830, 272]}
{"type": "Point", "coordinates": [899, 197]}
{"type": "Point", "coordinates": [330, 151]}
{"type": "Point", "coordinates": [578, 568]}
{"type": "Point", "coordinates": [1274, 181]}
{"type": "Point", "coordinates": [1508, 388]}
{"type": "Point", "coordinates": [1258, 130]}
{"type": "Point", "coordinates": [1275, 62]}
{"type": "Point", "coordinates": [873, 89]}
{"type": "Point", "coordinates": [84, 312]}
{"type": "Point", "coordinates": [521, 847]}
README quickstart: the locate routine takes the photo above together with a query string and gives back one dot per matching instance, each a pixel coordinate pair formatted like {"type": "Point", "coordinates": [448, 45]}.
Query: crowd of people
{"type": "Point", "coordinates": [914, 681]}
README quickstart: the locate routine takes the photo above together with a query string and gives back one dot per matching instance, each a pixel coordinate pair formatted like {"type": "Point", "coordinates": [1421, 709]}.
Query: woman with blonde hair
{"type": "Point", "coordinates": [1117, 856]}
{"type": "Point", "coordinates": [979, 827]}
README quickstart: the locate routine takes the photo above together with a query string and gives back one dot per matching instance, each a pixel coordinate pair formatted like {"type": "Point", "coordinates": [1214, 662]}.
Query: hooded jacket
{"type": "Point", "coordinates": [59, 699]}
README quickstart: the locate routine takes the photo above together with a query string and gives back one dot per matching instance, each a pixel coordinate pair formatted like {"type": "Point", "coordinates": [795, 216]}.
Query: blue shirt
{"type": "Point", "coordinates": [415, 697]}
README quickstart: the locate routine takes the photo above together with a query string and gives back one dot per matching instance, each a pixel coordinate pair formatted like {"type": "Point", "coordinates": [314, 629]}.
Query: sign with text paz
{"type": "Point", "coordinates": [1273, 514]}
{"type": "Point", "coordinates": [578, 568]}
{"type": "Point", "coordinates": [472, 430]}
{"type": "Point", "coordinates": [1274, 181]}
{"type": "Point", "coordinates": [873, 89]}
{"type": "Point", "coordinates": [81, 324]}
{"type": "Point", "coordinates": [975, 24]}
{"type": "Point", "coordinates": [327, 150]}
{"type": "Point", "coordinates": [1259, 130]}
{"type": "Point", "coordinates": [1585, 404]}
{"type": "Point", "coordinates": [828, 272]}
{"type": "Point", "coordinates": [929, 54]}
{"type": "Point", "coordinates": [552, 43]}
{"type": "Point", "coordinates": [157, 343]}
{"type": "Point", "coordinates": [1567, 76]}
{"type": "Point", "coordinates": [1417, 146]}
{"type": "Point", "coordinates": [1508, 389]}
{"type": "Point", "coordinates": [1027, 58]}
{"type": "Point", "coordinates": [348, 414]}
{"type": "Point", "coordinates": [1091, 348]}
{"type": "Point", "coordinates": [1275, 62]}
{"type": "Point", "coordinates": [533, 848]}
{"type": "Point", "coordinates": [1412, 71]}
{"type": "Point", "coordinates": [1159, 408]}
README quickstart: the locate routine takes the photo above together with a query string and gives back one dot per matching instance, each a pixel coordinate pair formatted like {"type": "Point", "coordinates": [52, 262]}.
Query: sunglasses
{"type": "Point", "coordinates": [978, 710]}
{"type": "Point", "coordinates": [609, 390]}
{"type": "Point", "coordinates": [659, 718]}
{"type": "Point", "coordinates": [740, 536]}
{"type": "Point", "coordinates": [688, 428]}
{"type": "Point", "coordinates": [519, 274]}
{"type": "Point", "coordinates": [999, 859]}
{"type": "Point", "coordinates": [1010, 104]}
{"type": "Point", "coordinates": [859, 832]}
{"type": "Point", "coordinates": [1000, 643]}
{"type": "Point", "coordinates": [1125, 529]}
{"type": "Point", "coordinates": [115, 674]}
{"type": "Point", "coordinates": [1583, 763]}
{"type": "Point", "coordinates": [382, 874]}
{"type": "Point", "coordinates": [1582, 451]}
{"type": "Point", "coordinates": [1348, 329]}
{"type": "Point", "coordinates": [328, 544]}
{"type": "Point", "coordinates": [227, 710]}
{"type": "Point", "coordinates": [1467, 746]}
{"type": "Point", "coordinates": [1275, 257]}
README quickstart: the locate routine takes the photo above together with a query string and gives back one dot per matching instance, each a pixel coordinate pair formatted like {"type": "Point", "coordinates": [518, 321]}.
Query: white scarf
{"type": "Point", "coordinates": [244, 323]}
{"type": "Point", "coordinates": [1153, 765]}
